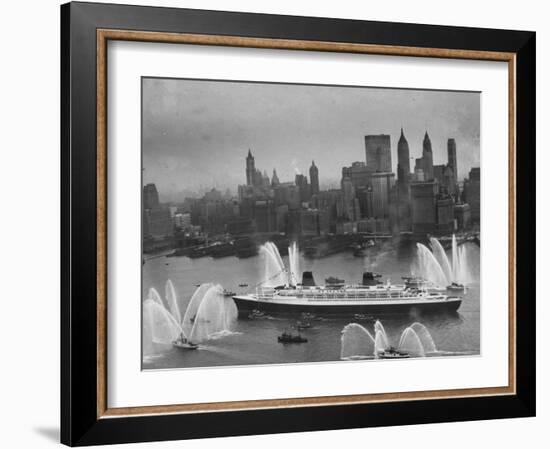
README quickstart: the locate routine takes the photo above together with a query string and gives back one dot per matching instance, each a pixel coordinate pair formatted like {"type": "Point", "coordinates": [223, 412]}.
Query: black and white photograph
{"type": "Point", "coordinates": [289, 223]}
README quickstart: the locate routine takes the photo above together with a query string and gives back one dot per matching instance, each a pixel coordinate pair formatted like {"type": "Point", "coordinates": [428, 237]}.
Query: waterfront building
{"type": "Point", "coordinates": [281, 218]}
{"type": "Point", "coordinates": [145, 224]}
{"type": "Point", "coordinates": [359, 174]}
{"type": "Point", "coordinates": [304, 188]}
{"type": "Point", "coordinates": [150, 196]}
{"type": "Point", "coordinates": [381, 184]}
{"type": "Point", "coordinates": [348, 196]}
{"type": "Point", "coordinates": [240, 226]}
{"type": "Point", "coordinates": [264, 216]}
{"type": "Point", "coordinates": [472, 192]}
{"type": "Point", "coordinates": [449, 181]}
{"type": "Point", "coordinates": [213, 195]}
{"type": "Point", "coordinates": [346, 227]}
{"type": "Point", "coordinates": [182, 221]}
{"type": "Point", "coordinates": [378, 152]}
{"type": "Point", "coordinates": [309, 222]}
{"type": "Point", "coordinates": [329, 201]}
{"type": "Point", "coordinates": [445, 213]}
{"type": "Point", "coordinates": [159, 222]}
{"type": "Point", "coordinates": [287, 193]}
{"type": "Point", "coordinates": [423, 210]}
{"type": "Point", "coordinates": [462, 216]}
{"type": "Point", "coordinates": [157, 218]}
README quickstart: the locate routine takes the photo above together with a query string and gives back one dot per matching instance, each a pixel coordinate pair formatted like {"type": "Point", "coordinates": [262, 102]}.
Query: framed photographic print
{"type": "Point", "coordinates": [279, 224]}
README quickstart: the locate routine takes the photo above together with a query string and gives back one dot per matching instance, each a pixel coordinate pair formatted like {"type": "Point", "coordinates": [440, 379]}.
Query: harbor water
{"type": "Point", "coordinates": [254, 340]}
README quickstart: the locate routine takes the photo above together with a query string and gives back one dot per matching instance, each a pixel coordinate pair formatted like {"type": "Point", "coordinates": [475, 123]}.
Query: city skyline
{"type": "Point", "coordinates": [189, 124]}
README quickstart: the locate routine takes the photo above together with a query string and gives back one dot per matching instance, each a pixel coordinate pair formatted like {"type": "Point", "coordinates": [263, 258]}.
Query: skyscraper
{"type": "Point", "coordinates": [274, 179]}
{"type": "Point", "coordinates": [250, 169]}
{"type": "Point", "coordinates": [378, 153]}
{"type": "Point", "coordinates": [423, 207]}
{"type": "Point", "coordinates": [382, 184]}
{"type": "Point", "coordinates": [472, 189]}
{"type": "Point", "coordinates": [403, 166]}
{"type": "Point", "coordinates": [348, 192]}
{"type": "Point", "coordinates": [427, 157]}
{"type": "Point", "coordinates": [314, 178]}
{"type": "Point", "coordinates": [150, 197]}
{"type": "Point", "coordinates": [402, 222]}
{"type": "Point", "coordinates": [451, 154]}
{"type": "Point", "coordinates": [303, 186]}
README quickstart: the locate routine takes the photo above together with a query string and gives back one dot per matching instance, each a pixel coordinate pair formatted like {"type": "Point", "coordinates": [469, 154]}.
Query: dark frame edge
{"type": "Point", "coordinates": [65, 309]}
{"type": "Point", "coordinates": [526, 226]}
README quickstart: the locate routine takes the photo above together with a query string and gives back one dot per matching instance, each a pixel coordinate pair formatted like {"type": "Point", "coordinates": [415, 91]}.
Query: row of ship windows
{"type": "Point", "coordinates": [328, 298]}
{"type": "Point", "coordinates": [348, 296]}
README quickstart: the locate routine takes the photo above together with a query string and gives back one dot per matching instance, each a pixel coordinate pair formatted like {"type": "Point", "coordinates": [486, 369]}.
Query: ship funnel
{"type": "Point", "coordinates": [307, 279]}
{"type": "Point", "coordinates": [369, 278]}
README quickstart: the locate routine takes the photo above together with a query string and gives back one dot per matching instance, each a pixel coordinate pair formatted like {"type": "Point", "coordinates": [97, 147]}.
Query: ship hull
{"type": "Point", "coordinates": [246, 304]}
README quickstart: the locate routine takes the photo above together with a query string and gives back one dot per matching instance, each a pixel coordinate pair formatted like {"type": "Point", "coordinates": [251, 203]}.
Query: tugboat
{"type": "Point", "coordinates": [256, 314]}
{"type": "Point", "coordinates": [392, 353]}
{"type": "Point", "coordinates": [184, 343]}
{"type": "Point", "coordinates": [334, 281]}
{"type": "Point", "coordinates": [456, 287]}
{"type": "Point", "coordinates": [301, 325]}
{"type": "Point", "coordinates": [363, 317]}
{"type": "Point", "coordinates": [308, 316]}
{"type": "Point", "coordinates": [287, 337]}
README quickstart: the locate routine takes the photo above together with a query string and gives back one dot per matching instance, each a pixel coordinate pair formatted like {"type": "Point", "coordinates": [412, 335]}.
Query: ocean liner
{"type": "Point", "coordinates": [370, 297]}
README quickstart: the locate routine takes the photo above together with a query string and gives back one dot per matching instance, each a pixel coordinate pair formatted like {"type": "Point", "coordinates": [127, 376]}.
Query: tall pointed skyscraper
{"type": "Point", "coordinates": [403, 165]}
{"type": "Point", "coordinates": [314, 178]}
{"type": "Point", "coordinates": [427, 157]}
{"type": "Point", "coordinates": [250, 169]}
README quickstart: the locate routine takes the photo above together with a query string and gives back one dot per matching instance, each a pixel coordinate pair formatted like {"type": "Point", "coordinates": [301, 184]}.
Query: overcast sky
{"type": "Point", "coordinates": [196, 134]}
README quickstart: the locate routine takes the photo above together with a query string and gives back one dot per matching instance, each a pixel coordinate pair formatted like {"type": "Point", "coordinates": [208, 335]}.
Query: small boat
{"type": "Point", "coordinates": [332, 280]}
{"type": "Point", "coordinates": [456, 287]}
{"type": "Point", "coordinates": [301, 325]}
{"type": "Point", "coordinates": [363, 317]}
{"type": "Point", "coordinates": [243, 285]}
{"type": "Point", "coordinates": [228, 293]}
{"type": "Point", "coordinates": [256, 314]}
{"type": "Point", "coordinates": [287, 337]}
{"type": "Point", "coordinates": [308, 316]}
{"type": "Point", "coordinates": [359, 251]}
{"type": "Point", "coordinates": [183, 343]}
{"type": "Point", "coordinates": [392, 353]}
